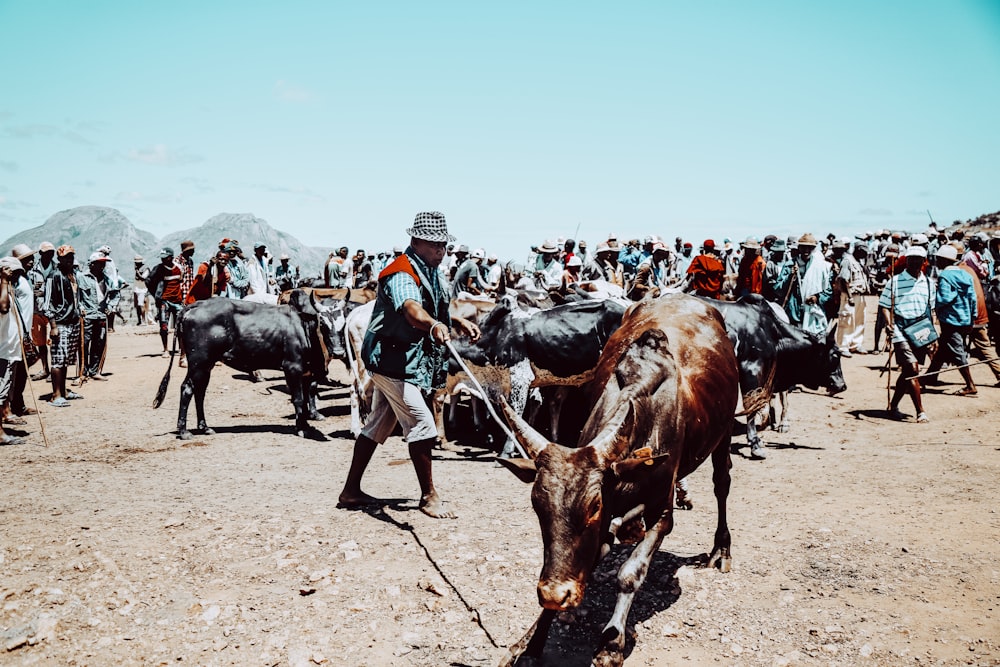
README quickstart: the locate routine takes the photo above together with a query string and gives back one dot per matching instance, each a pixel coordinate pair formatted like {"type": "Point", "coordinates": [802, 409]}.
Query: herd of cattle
{"type": "Point", "coordinates": [653, 389]}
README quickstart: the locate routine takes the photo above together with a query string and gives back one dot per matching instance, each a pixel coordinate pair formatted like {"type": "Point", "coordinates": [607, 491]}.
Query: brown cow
{"type": "Point", "coordinates": [664, 396]}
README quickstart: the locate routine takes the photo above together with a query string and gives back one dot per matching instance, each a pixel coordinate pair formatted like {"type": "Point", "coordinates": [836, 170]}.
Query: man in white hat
{"type": "Point", "coordinates": [603, 266]}
{"type": "Point", "coordinates": [285, 277]}
{"type": "Point", "coordinates": [548, 269]}
{"type": "Point", "coordinates": [956, 308]}
{"type": "Point", "coordinates": [468, 278]}
{"type": "Point", "coordinates": [404, 350]}
{"type": "Point", "coordinates": [10, 336]}
{"type": "Point", "coordinates": [140, 293]}
{"type": "Point", "coordinates": [24, 310]}
{"type": "Point", "coordinates": [906, 298]}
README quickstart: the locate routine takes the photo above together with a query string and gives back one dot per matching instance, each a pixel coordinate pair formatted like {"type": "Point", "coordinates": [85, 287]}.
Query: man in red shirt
{"type": "Point", "coordinates": [750, 276]}
{"type": "Point", "coordinates": [164, 283]}
{"type": "Point", "coordinates": [211, 278]}
{"type": "Point", "coordinates": [705, 274]}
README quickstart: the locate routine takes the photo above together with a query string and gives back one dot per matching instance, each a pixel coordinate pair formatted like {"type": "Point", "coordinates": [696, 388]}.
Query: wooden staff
{"type": "Point", "coordinates": [953, 368]}
{"type": "Point", "coordinates": [24, 359]}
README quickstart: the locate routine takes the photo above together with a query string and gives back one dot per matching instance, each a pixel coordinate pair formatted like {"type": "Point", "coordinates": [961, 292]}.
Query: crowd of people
{"type": "Point", "coordinates": [66, 309]}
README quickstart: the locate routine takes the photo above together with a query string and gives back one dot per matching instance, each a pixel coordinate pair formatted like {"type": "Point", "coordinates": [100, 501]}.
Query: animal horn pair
{"type": "Point", "coordinates": [610, 443]}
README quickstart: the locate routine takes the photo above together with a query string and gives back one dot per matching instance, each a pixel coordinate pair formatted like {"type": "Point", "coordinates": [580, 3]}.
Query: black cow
{"type": "Point", "coordinates": [663, 396]}
{"type": "Point", "coordinates": [299, 339]}
{"type": "Point", "coordinates": [775, 355]}
{"type": "Point", "coordinates": [519, 349]}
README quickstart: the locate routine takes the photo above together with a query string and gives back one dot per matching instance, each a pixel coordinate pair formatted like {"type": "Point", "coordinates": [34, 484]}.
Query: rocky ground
{"type": "Point", "coordinates": [860, 541]}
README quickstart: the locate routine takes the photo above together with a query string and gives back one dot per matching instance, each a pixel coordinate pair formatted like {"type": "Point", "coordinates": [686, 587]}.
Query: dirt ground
{"type": "Point", "coordinates": [859, 541]}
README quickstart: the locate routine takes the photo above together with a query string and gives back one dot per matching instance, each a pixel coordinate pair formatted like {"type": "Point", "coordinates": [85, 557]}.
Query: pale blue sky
{"type": "Point", "coordinates": [519, 120]}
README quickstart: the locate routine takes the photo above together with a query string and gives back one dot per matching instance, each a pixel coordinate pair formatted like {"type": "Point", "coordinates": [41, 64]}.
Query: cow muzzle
{"type": "Point", "coordinates": [560, 595]}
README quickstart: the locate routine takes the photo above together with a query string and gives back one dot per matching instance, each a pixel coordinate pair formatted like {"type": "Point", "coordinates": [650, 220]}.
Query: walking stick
{"type": "Point", "coordinates": [891, 324]}
{"type": "Point", "coordinates": [24, 360]}
{"type": "Point", "coordinates": [953, 368]}
{"type": "Point", "coordinates": [81, 368]}
{"type": "Point", "coordinates": [486, 399]}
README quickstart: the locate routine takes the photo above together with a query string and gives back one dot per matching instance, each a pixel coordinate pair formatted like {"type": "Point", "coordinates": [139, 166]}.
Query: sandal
{"type": "Point", "coordinates": [72, 395]}
{"type": "Point", "coordinates": [15, 421]}
{"type": "Point", "coordinates": [59, 402]}
{"type": "Point", "coordinates": [966, 391]}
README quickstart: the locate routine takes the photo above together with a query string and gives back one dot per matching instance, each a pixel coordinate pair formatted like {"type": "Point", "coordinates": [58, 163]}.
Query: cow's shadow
{"type": "Point", "coordinates": [575, 635]}
{"type": "Point", "coordinates": [311, 434]}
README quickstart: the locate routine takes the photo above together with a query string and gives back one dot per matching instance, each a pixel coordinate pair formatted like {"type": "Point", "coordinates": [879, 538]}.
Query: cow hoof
{"type": "Point", "coordinates": [208, 431]}
{"type": "Point", "coordinates": [757, 453]}
{"type": "Point", "coordinates": [316, 417]}
{"type": "Point", "coordinates": [784, 428]}
{"type": "Point", "coordinates": [721, 559]}
{"type": "Point", "coordinates": [184, 435]}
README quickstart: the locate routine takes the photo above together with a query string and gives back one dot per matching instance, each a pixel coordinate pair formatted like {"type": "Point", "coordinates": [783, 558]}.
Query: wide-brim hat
{"type": "Point", "coordinates": [947, 252]}
{"type": "Point", "coordinates": [11, 263]}
{"type": "Point", "coordinates": [547, 247]}
{"type": "Point", "coordinates": [751, 242]}
{"type": "Point", "coordinates": [97, 257]}
{"type": "Point", "coordinates": [187, 245]}
{"type": "Point", "coordinates": [46, 247]}
{"type": "Point", "coordinates": [807, 239]}
{"type": "Point", "coordinates": [779, 245]}
{"type": "Point", "coordinates": [21, 250]}
{"type": "Point", "coordinates": [430, 226]}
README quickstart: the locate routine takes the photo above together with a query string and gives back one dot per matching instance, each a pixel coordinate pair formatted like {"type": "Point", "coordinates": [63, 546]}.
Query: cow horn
{"type": "Point", "coordinates": [613, 441]}
{"type": "Point", "coordinates": [316, 303]}
{"type": "Point", "coordinates": [530, 439]}
{"type": "Point", "coordinates": [831, 326]}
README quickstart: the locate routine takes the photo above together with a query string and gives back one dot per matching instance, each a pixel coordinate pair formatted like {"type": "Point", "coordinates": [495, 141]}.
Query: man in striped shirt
{"type": "Point", "coordinates": [907, 297]}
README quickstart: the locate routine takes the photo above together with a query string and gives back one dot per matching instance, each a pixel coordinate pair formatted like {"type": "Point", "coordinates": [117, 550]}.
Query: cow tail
{"type": "Point", "coordinates": [162, 391]}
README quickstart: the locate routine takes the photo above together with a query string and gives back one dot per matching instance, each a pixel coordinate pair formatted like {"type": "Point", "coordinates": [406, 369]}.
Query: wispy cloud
{"type": "Point", "coordinates": [160, 155]}
{"type": "Point", "coordinates": [8, 165]}
{"type": "Point", "coordinates": [35, 130]}
{"type": "Point", "coordinates": [200, 184]}
{"type": "Point", "coordinates": [14, 203]}
{"type": "Point", "coordinates": [876, 212]}
{"type": "Point", "coordinates": [286, 91]}
{"type": "Point", "coordinates": [299, 191]}
{"type": "Point", "coordinates": [132, 196]}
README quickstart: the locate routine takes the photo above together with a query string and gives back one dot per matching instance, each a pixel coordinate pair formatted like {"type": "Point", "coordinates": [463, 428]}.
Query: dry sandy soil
{"type": "Point", "coordinates": [860, 541]}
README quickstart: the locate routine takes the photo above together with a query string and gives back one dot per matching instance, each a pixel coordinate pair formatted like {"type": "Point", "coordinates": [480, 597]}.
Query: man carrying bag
{"type": "Point", "coordinates": [906, 304]}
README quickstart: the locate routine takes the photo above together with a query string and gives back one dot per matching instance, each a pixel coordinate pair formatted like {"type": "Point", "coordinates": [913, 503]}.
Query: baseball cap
{"type": "Point", "coordinates": [166, 252]}
{"type": "Point", "coordinates": [64, 250]}
{"type": "Point", "coordinates": [948, 252]}
{"type": "Point", "coordinates": [916, 251]}
{"type": "Point", "coordinates": [46, 247]}
{"type": "Point", "coordinates": [97, 257]}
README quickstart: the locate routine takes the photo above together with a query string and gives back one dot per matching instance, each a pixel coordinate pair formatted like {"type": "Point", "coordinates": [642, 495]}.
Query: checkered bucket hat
{"type": "Point", "coordinates": [431, 226]}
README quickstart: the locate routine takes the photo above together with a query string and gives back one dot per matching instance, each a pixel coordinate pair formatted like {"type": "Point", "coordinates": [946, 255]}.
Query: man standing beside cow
{"type": "Point", "coordinates": [404, 351]}
{"type": "Point", "coordinates": [98, 298]}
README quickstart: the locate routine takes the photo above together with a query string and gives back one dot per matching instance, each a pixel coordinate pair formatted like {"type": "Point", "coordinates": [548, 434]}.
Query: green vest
{"type": "Point", "coordinates": [394, 348]}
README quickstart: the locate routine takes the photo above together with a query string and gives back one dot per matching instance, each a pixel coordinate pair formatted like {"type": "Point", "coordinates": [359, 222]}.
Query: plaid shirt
{"type": "Point", "coordinates": [187, 275]}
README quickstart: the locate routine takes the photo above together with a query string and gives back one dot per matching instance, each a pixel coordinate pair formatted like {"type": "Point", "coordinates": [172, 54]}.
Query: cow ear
{"type": "Point", "coordinates": [635, 469]}
{"type": "Point", "coordinates": [523, 469]}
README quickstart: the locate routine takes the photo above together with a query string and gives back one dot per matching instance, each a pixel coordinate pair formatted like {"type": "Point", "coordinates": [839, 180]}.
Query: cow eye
{"type": "Point", "coordinates": [594, 510]}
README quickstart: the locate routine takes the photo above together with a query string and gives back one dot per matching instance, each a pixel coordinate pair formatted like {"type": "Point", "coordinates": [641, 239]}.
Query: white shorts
{"type": "Point", "coordinates": [398, 401]}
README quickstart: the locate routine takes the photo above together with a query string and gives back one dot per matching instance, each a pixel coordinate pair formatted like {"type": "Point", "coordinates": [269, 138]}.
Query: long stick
{"type": "Point", "coordinates": [953, 368]}
{"type": "Point", "coordinates": [486, 399]}
{"type": "Point", "coordinates": [890, 326]}
{"type": "Point", "coordinates": [24, 360]}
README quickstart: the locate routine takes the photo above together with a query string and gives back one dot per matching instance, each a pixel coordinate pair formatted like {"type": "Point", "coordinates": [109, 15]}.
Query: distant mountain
{"type": "Point", "coordinates": [87, 228]}
{"type": "Point", "coordinates": [248, 230]}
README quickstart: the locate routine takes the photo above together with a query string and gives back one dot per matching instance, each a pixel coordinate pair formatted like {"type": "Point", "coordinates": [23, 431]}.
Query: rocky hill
{"type": "Point", "coordinates": [248, 229]}
{"type": "Point", "coordinates": [87, 228]}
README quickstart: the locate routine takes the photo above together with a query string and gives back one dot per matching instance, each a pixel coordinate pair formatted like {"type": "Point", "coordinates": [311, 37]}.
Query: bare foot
{"type": "Point", "coordinates": [353, 501]}
{"type": "Point", "coordinates": [433, 506]}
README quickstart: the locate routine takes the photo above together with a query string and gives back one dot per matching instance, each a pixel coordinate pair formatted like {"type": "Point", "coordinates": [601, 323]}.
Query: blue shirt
{"type": "Point", "coordinates": [913, 298]}
{"type": "Point", "coordinates": [956, 297]}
